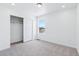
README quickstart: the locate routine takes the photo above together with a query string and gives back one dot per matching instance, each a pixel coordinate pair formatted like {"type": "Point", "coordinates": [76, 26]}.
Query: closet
{"type": "Point", "coordinates": [16, 29]}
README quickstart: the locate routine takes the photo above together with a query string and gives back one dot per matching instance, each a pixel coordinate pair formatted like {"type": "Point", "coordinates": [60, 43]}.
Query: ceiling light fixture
{"type": "Point", "coordinates": [63, 6]}
{"type": "Point", "coordinates": [13, 4]}
{"type": "Point", "coordinates": [39, 4]}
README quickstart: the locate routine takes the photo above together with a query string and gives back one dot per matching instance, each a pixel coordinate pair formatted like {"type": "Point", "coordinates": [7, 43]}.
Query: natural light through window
{"type": "Point", "coordinates": [41, 26]}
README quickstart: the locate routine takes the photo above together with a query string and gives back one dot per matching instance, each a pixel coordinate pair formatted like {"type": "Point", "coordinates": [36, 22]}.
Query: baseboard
{"type": "Point", "coordinates": [37, 39]}
{"type": "Point", "coordinates": [16, 42]}
{"type": "Point", "coordinates": [58, 43]}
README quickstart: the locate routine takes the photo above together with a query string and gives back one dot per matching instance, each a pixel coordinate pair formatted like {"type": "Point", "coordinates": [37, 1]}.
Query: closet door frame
{"type": "Point", "coordinates": [22, 30]}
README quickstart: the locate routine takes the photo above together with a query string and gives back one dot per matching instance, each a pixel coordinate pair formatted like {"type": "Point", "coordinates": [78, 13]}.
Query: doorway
{"type": "Point", "coordinates": [16, 29]}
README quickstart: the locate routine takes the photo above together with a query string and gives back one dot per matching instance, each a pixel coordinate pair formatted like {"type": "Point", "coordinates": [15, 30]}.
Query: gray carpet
{"type": "Point", "coordinates": [38, 48]}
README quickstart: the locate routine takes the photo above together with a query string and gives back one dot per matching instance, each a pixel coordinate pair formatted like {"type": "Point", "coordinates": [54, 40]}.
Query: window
{"type": "Point", "coordinates": [41, 26]}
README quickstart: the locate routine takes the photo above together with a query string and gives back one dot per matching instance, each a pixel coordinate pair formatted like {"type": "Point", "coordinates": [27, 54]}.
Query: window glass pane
{"type": "Point", "coordinates": [42, 23]}
{"type": "Point", "coordinates": [41, 26]}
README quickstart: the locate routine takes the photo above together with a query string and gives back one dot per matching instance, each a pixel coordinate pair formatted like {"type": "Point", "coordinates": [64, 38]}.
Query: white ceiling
{"type": "Point", "coordinates": [32, 9]}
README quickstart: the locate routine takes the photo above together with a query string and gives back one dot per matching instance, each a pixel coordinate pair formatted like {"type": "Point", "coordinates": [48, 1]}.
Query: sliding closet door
{"type": "Point", "coordinates": [16, 29]}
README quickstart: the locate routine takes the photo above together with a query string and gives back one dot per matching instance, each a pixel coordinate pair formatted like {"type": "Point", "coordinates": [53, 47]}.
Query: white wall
{"type": "Point", "coordinates": [4, 29]}
{"type": "Point", "coordinates": [77, 28]}
{"type": "Point", "coordinates": [60, 27]}
{"type": "Point", "coordinates": [27, 29]}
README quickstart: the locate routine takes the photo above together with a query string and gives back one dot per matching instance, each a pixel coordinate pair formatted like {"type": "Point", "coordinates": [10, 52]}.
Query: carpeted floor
{"type": "Point", "coordinates": [38, 48]}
